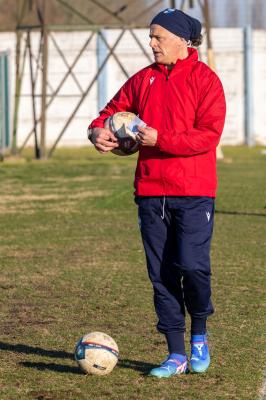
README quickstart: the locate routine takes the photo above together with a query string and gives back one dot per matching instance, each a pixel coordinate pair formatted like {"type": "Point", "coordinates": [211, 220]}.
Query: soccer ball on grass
{"type": "Point", "coordinates": [96, 353]}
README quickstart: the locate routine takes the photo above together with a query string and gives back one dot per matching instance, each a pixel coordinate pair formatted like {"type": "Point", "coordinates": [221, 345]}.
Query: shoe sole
{"type": "Point", "coordinates": [170, 376]}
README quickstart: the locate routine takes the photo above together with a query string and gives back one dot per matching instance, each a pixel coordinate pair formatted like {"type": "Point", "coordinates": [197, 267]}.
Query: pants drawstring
{"type": "Point", "coordinates": [162, 216]}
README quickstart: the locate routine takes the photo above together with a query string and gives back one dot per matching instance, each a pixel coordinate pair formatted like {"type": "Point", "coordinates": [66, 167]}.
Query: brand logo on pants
{"type": "Point", "coordinates": [208, 215]}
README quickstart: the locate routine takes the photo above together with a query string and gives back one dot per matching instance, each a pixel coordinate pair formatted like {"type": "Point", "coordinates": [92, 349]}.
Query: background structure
{"type": "Point", "coordinates": [70, 59]}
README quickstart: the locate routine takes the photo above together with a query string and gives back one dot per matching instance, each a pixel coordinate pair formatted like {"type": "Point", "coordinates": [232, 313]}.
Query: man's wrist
{"type": "Point", "coordinates": [90, 133]}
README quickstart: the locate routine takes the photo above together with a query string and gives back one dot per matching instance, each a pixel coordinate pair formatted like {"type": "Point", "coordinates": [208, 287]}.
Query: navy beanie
{"type": "Point", "coordinates": [179, 23]}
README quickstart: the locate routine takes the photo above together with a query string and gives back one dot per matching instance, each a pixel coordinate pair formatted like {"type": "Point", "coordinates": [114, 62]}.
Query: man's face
{"type": "Point", "coordinates": [166, 46]}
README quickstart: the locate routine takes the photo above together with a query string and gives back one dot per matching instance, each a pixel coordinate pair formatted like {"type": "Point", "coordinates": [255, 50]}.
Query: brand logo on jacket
{"type": "Point", "coordinates": [208, 215]}
{"type": "Point", "coordinates": [169, 10]}
{"type": "Point", "coordinates": [152, 79]}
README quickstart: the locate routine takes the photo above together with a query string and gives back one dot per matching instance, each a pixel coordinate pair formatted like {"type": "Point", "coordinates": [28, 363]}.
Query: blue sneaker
{"type": "Point", "coordinates": [200, 356]}
{"type": "Point", "coordinates": [175, 364]}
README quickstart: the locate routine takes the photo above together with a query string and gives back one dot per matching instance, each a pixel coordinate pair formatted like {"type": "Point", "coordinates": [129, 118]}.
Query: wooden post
{"type": "Point", "coordinates": [210, 55]}
{"type": "Point", "coordinates": [17, 94]}
{"type": "Point", "coordinates": [19, 73]}
{"type": "Point", "coordinates": [172, 4]}
{"type": "Point", "coordinates": [33, 97]}
{"type": "Point", "coordinates": [44, 79]}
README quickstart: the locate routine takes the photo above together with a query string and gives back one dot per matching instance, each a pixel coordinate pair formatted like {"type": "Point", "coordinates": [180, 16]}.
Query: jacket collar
{"type": "Point", "coordinates": [180, 64]}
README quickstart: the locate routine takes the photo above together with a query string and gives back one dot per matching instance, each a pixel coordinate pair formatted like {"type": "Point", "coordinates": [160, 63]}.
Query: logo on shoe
{"type": "Point", "coordinates": [199, 348]}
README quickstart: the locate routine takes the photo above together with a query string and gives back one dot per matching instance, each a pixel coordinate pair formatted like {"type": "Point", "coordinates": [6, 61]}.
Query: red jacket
{"type": "Point", "coordinates": [187, 107]}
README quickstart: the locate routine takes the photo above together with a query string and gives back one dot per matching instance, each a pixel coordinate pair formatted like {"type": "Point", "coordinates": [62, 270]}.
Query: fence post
{"type": "Point", "coordinates": [102, 52]}
{"type": "Point", "coordinates": [248, 85]}
{"type": "Point", "coordinates": [4, 102]}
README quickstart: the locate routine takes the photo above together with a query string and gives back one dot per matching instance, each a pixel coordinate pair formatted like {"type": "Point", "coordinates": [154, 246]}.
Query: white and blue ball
{"type": "Point", "coordinates": [96, 353]}
{"type": "Point", "coordinates": [124, 127]}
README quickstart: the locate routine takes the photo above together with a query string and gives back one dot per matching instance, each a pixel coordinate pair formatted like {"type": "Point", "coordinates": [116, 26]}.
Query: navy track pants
{"type": "Point", "coordinates": [176, 234]}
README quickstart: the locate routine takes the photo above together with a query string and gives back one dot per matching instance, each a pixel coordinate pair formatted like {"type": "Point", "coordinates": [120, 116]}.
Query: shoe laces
{"type": "Point", "coordinates": [199, 347]}
{"type": "Point", "coordinates": [174, 361]}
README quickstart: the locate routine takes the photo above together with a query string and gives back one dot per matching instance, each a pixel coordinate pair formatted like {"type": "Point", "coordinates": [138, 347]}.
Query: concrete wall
{"type": "Point", "coordinates": [228, 44]}
{"type": "Point", "coordinates": [259, 87]}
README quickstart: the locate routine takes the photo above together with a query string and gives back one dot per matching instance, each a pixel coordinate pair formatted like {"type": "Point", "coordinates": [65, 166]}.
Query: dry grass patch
{"type": "Point", "coordinates": [4, 199]}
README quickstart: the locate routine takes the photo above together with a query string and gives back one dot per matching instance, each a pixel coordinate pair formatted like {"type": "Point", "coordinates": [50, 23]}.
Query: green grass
{"type": "Point", "coordinates": [72, 262]}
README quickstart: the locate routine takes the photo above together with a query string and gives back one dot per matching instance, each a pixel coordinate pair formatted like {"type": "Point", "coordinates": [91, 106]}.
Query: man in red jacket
{"type": "Point", "coordinates": [182, 102]}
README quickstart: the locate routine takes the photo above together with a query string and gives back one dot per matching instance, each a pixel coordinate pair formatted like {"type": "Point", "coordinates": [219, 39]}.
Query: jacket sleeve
{"type": "Point", "coordinates": [208, 125]}
{"type": "Point", "coordinates": [122, 101]}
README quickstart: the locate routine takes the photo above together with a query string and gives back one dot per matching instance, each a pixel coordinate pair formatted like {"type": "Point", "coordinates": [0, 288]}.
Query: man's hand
{"type": "Point", "coordinates": [103, 139]}
{"type": "Point", "coordinates": [147, 136]}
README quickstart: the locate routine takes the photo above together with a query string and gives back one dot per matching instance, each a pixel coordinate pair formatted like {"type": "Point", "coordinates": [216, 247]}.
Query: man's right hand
{"type": "Point", "coordinates": [103, 139]}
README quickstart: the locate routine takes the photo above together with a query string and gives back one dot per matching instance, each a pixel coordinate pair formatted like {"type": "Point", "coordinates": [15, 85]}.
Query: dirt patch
{"type": "Point", "coordinates": [14, 160]}
{"type": "Point", "coordinates": [86, 178]}
{"type": "Point", "coordinates": [44, 197]}
{"type": "Point", "coordinates": [11, 204]}
{"type": "Point", "coordinates": [15, 210]}
{"type": "Point", "coordinates": [262, 394]}
{"type": "Point", "coordinates": [43, 396]}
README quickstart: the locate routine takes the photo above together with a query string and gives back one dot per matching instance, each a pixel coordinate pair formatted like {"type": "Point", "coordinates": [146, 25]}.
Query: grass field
{"type": "Point", "coordinates": [72, 262]}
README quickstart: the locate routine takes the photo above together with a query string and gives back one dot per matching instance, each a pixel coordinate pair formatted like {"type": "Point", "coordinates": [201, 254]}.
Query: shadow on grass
{"type": "Point", "coordinates": [240, 213]}
{"type": "Point", "coordinates": [139, 366]}
{"type": "Point", "coordinates": [52, 367]}
{"type": "Point", "coordinates": [136, 365]}
{"type": "Point", "coordinates": [22, 348]}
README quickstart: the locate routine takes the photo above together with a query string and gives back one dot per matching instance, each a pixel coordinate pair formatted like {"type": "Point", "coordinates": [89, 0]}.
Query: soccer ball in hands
{"type": "Point", "coordinates": [124, 127]}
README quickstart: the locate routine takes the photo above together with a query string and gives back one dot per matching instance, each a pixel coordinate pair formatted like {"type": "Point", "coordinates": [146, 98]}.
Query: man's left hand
{"type": "Point", "coordinates": [147, 136]}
